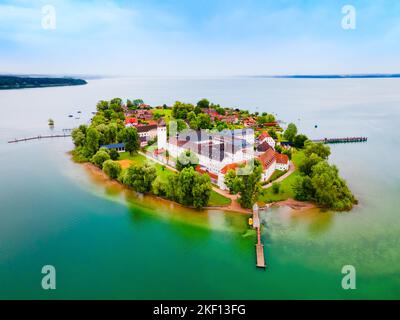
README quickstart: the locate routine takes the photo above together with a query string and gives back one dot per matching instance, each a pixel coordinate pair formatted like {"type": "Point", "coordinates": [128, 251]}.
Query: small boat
{"type": "Point", "coordinates": [70, 116]}
{"type": "Point", "coordinates": [79, 111]}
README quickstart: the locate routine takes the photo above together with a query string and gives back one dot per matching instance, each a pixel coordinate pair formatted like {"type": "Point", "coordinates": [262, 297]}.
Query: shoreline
{"type": "Point", "coordinates": [233, 207]}
{"type": "Point", "coordinates": [92, 169]}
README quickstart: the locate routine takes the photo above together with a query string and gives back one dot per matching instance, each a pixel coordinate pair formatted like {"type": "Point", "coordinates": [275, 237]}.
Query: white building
{"type": "Point", "coordinates": [219, 152]}
{"type": "Point", "coordinates": [282, 162]}
{"type": "Point", "coordinates": [147, 133]}
{"type": "Point", "coordinates": [265, 137]}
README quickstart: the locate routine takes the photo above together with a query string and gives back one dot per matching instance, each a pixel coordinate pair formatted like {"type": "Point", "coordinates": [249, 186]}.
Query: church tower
{"type": "Point", "coordinates": [162, 135]}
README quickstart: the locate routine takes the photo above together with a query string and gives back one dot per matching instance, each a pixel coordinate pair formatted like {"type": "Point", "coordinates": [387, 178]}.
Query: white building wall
{"type": "Point", "coordinates": [282, 166]}
{"type": "Point", "coordinates": [162, 138]}
{"type": "Point", "coordinates": [269, 172]}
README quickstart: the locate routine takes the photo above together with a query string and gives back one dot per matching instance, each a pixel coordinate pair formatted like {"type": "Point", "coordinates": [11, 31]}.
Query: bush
{"type": "Point", "coordinates": [276, 186]}
{"type": "Point", "coordinates": [100, 157]}
{"type": "Point", "coordinates": [114, 154]}
{"type": "Point", "coordinates": [112, 169]}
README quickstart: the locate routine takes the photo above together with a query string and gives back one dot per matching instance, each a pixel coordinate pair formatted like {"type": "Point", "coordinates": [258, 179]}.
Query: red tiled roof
{"type": "Point", "coordinates": [232, 166]}
{"type": "Point", "coordinates": [228, 167]}
{"type": "Point", "coordinates": [131, 120]}
{"type": "Point", "coordinates": [212, 175]}
{"type": "Point", "coordinates": [263, 136]}
{"type": "Point", "coordinates": [267, 158]}
{"type": "Point", "coordinates": [281, 158]}
{"type": "Point", "coordinates": [263, 147]}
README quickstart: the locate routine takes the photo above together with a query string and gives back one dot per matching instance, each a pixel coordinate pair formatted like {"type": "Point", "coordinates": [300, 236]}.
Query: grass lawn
{"type": "Point", "coordinates": [217, 199]}
{"type": "Point", "coordinates": [162, 174]}
{"type": "Point", "coordinates": [166, 113]}
{"type": "Point", "coordinates": [286, 190]}
{"type": "Point", "coordinates": [275, 176]}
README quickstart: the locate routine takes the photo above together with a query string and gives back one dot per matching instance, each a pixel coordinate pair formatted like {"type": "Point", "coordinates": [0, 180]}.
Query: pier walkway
{"type": "Point", "coordinates": [40, 137]}
{"type": "Point", "coordinates": [342, 140]}
{"type": "Point", "coordinates": [259, 246]}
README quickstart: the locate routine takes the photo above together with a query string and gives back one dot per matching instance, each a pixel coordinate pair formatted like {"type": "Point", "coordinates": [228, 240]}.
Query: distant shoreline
{"type": "Point", "coordinates": [16, 82]}
{"type": "Point", "coordinates": [332, 76]}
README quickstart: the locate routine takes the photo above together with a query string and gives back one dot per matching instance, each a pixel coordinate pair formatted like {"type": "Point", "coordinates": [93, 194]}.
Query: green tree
{"type": "Point", "coordinates": [220, 111]}
{"type": "Point", "coordinates": [78, 137]}
{"type": "Point", "coordinates": [181, 125]}
{"type": "Point", "coordinates": [303, 188]}
{"type": "Point", "coordinates": [112, 169]}
{"type": "Point", "coordinates": [131, 140]}
{"type": "Point", "coordinates": [100, 157]}
{"type": "Point", "coordinates": [102, 105]}
{"type": "Point", "coordinates": [92, 141]}
{"type": "Point", "coordinates": [180, 110]}
{"type": "Point", "coordinates": [232, 182]}
{"type": "Point", "coordinates": [159, 188]}
{"type": "Point", "coordinates": [191, 116]}
{"type": "Point", "coordinates": [276, 186]}
{"type": "Point", "coordinates": [322, 150]}
{"type": "Point", "coordinates": [197, 110]}
{"type": "Point", "coordinates": [308, 163]}
{"type": "Point", "coordinates": [273, 134]}
{"type": "Point", "coordinates": [187, 159]}
{"type": "Point", "coordinates": [114, 154]}
{"type": "Point", "coordinates": [140, 177]}
{"type": "Point", "coordinates": [203, 104]}
{"type": "Point", "coordinates": [330, 190]}
{"type": "Point", "coordinates": [250, 186]}
{"type": "Point", "coordinates": [189, 188]}
{"type": "Point", "coordinates": [290, 132]}
{"type": "Point", "coordinates": [201, 190]}
{"type": "Point", "coordinates": [299, 140]}
{"type": "Point", "coordinates": [204, 121]}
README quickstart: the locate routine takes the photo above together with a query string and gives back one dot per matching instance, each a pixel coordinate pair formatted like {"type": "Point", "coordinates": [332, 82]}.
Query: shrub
{"type": "Point", "coordinates": [112, 169]}
{"type": "Point", "coordinates": [100, 157]}
{"type": "Point", "coordinates": [276, 186]}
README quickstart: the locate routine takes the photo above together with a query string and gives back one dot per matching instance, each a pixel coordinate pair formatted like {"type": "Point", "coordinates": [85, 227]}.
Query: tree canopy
{"type": "Point", "coordinates": [290, 132]}
{"type": "Point", "coordinates": [320, 181]}
{"type": "Point", "coordinates": [140, 177]}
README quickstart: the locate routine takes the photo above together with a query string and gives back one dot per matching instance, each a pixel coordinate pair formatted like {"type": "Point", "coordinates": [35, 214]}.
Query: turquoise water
{"type": "Point", "coordinates": [108, 243]}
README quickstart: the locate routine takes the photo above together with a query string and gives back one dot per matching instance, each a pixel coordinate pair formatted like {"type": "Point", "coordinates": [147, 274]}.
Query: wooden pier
{"type": "Point", "coordinates": [260, 261]}
{"type": "Point", "coordinates": [39, 137]}
{"type": "Point", "coordinates": [342, 140]}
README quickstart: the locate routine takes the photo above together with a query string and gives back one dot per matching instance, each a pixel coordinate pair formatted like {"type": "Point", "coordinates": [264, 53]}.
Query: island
{"type": "Point", "coordinates": [23, 82]}
{"type": "Point", "coordinates": [205, 155]}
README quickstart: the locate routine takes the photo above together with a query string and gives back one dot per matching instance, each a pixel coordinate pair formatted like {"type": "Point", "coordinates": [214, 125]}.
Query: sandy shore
{"type": "Point", "coordinates": [294, 204]}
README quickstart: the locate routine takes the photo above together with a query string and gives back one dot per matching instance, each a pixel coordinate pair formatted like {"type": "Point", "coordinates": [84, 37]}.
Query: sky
{"type": "Point", "coordinates": [198, 38]}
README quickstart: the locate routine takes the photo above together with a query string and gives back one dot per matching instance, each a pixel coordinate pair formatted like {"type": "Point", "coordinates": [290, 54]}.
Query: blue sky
{"type": "Point", "coordinates": [199, 38]}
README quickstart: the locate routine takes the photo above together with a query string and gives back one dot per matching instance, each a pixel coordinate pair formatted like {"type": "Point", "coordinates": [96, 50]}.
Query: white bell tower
{"type": "Point", "coordinates": [162, 135]}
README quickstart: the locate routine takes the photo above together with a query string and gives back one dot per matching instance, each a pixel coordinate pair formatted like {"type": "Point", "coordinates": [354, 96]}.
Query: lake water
{"type": "Point", "coordinates": [107, 243]}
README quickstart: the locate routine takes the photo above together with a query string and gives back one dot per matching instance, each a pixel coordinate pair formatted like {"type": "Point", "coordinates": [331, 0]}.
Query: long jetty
{"type": "Point", "coordinates": [64, 135]}
{"type": "Point", "coordinates": [259, 246]}
{"type": "Point", "coordinates": [342, 140]}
